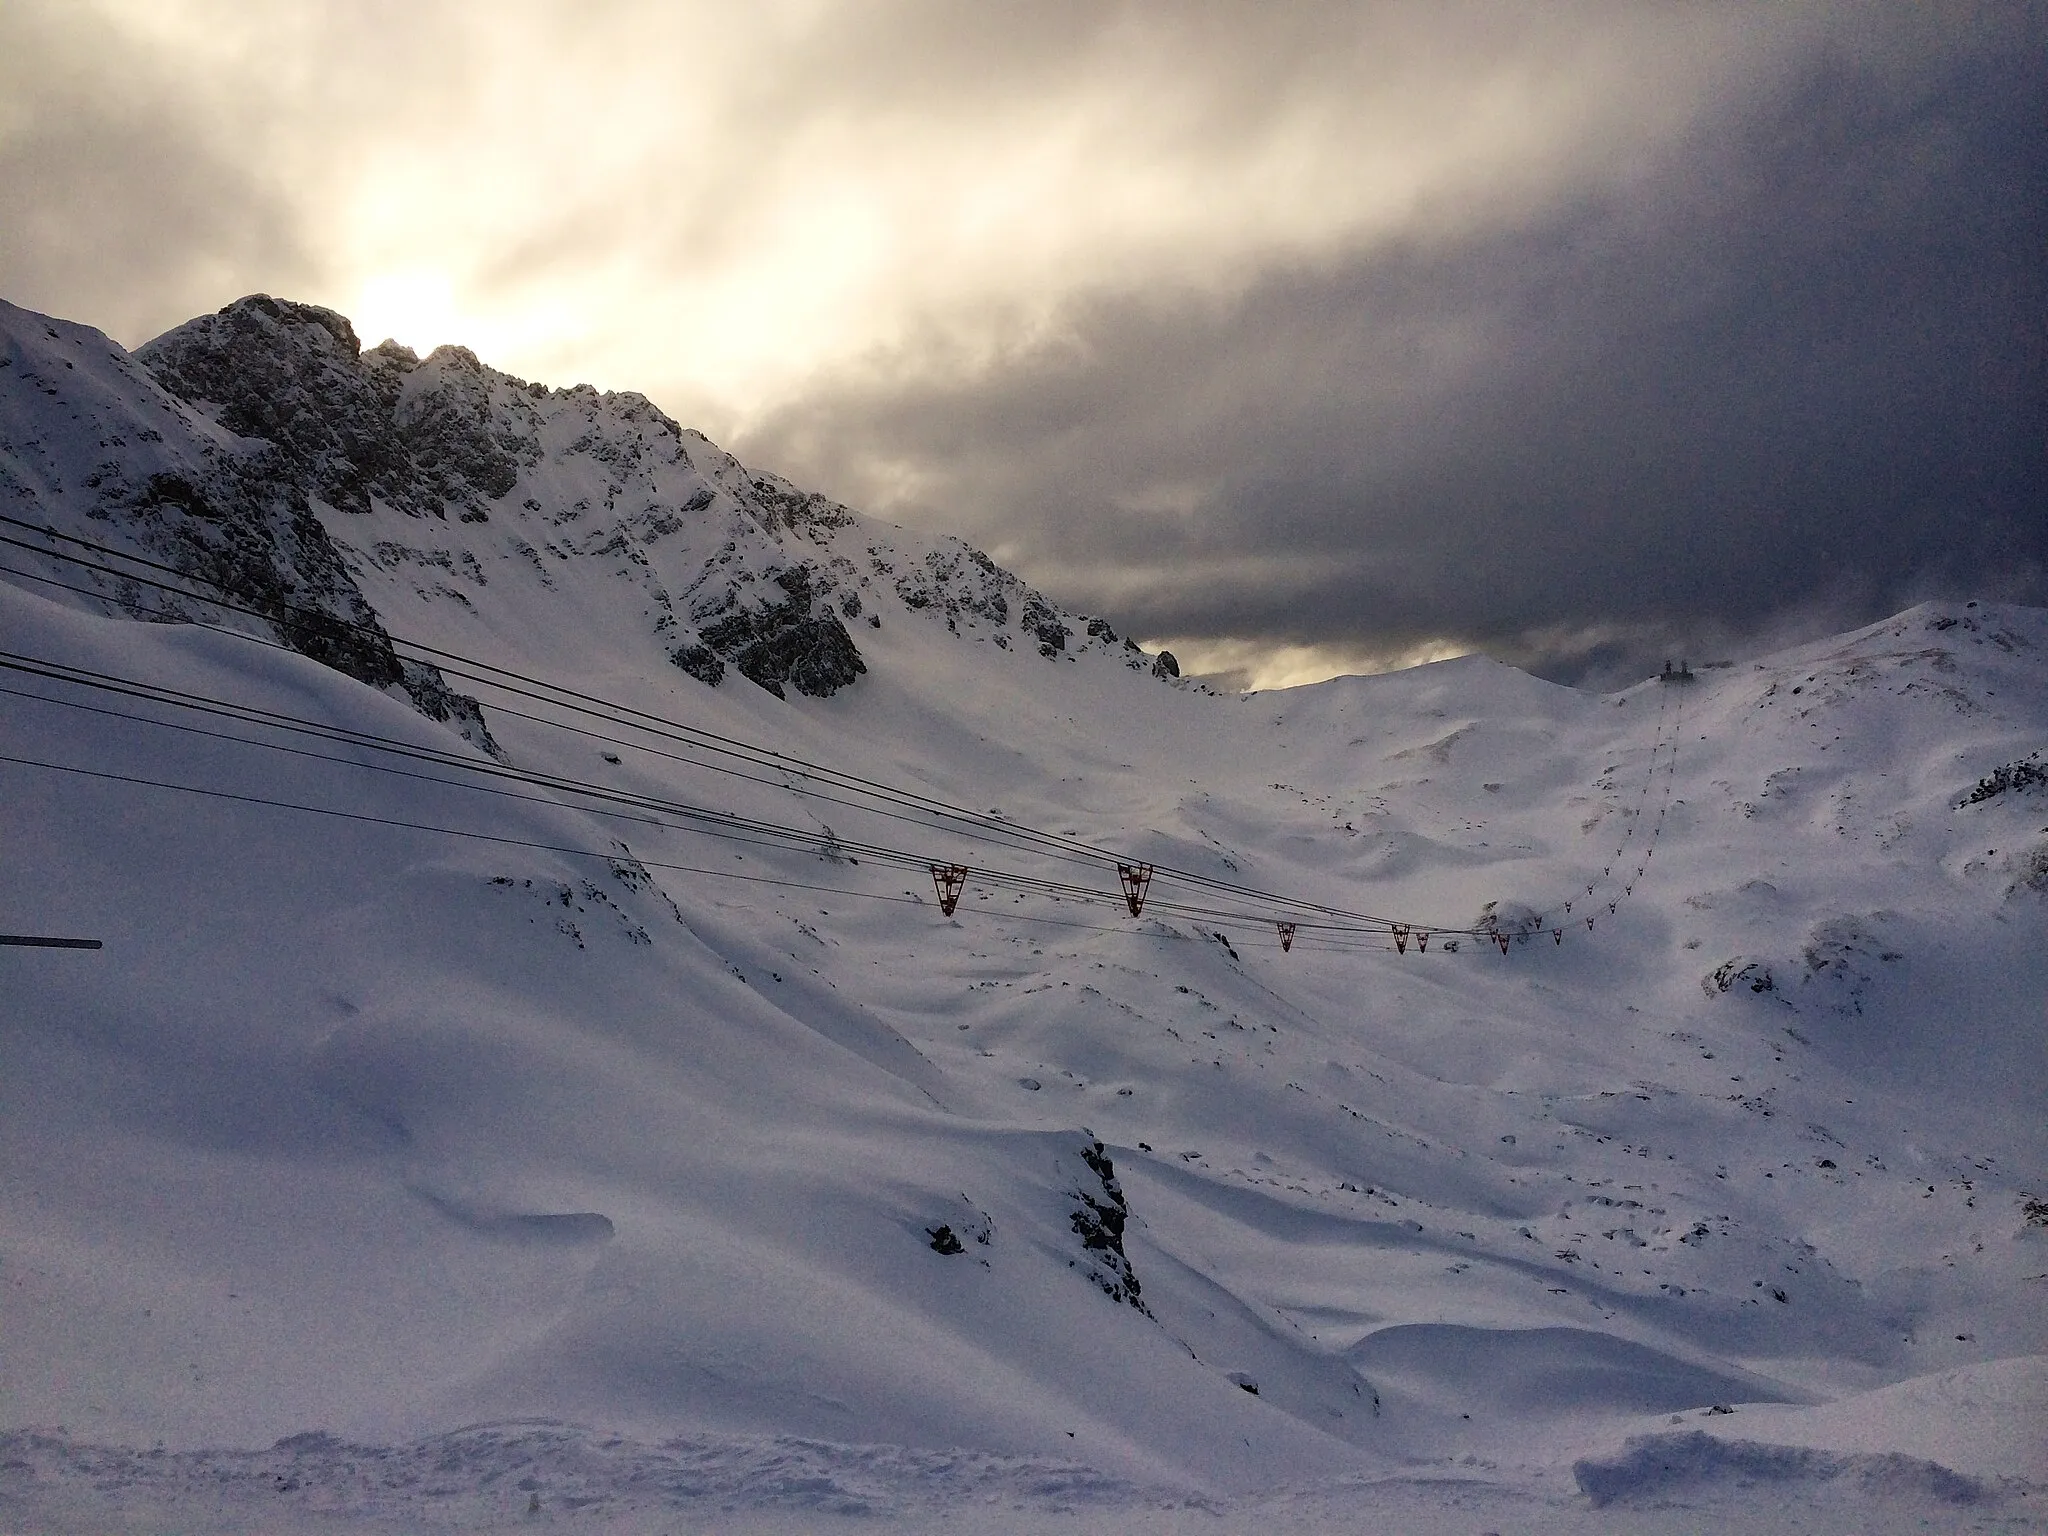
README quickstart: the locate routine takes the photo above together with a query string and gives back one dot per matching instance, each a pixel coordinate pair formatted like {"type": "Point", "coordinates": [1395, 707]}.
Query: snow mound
{"type": "Point", "coordinates": [1655, 1466]}
{"type": "Point", "coordinates": [1523, 1369]}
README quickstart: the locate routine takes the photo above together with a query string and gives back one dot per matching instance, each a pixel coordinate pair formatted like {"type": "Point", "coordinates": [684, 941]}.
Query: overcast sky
{"type": "Point", "coordinates": [1302, 338]}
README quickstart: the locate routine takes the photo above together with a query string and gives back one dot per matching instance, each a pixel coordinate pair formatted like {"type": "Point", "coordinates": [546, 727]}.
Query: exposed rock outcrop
{"type": "Point", "coordinates": [1098, 1220]}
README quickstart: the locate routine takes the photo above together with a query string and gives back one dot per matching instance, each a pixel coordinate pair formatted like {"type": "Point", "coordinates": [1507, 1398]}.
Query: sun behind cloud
{"type": "Point", "coordinates": [417, 308]}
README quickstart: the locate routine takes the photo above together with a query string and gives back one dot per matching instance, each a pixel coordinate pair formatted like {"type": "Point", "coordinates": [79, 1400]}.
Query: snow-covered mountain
{"type": "Point", "coordinates": [263, 446]}
{"type": "Point", "coordinates": [525, 1003]}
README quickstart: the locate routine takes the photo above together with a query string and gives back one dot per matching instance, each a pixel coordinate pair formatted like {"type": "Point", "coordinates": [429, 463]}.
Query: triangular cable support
{"type": "Point", "coordinates": [950, 880]}
{"type": "Point", "coordinates": [1137, 879]}
{"type": "Point", "coordinates": [1286, 936]}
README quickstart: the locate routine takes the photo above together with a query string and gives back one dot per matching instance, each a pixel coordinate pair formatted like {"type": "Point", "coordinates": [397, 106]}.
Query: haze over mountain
{"type": "Point", "coordinates": [530, 1069]}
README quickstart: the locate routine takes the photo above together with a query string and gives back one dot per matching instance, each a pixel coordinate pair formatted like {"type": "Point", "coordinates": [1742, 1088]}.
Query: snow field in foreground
{"type": "Point", "coordinates": [537, 1476]}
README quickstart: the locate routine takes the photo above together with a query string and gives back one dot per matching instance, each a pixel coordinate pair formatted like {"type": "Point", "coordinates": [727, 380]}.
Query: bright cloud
{"type": "Point", "coordinates": [724, 202]}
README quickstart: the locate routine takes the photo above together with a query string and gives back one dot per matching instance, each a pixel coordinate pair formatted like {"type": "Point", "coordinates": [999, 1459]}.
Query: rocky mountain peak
{"type": "Point", "coordinates": [368, 481]}
{"type": "Point", "coordinates": [350, 426]}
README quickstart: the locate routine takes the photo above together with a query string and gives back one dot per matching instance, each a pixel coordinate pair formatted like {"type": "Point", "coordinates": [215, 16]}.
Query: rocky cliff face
{"type": "Point", "coordinates": [442, 472]}
{"type": "Point", "coordinates": [91, 445]}
{"type": "Point", "coordinates": [345, 426]}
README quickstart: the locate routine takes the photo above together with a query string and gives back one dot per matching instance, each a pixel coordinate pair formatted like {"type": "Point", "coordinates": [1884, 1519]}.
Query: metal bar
{"type": "Point", "coordinates": [34, 942]}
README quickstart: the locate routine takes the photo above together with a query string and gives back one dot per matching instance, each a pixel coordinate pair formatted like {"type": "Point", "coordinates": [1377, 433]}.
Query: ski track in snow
{"type": "Point", "coordinates": [470, 1177]}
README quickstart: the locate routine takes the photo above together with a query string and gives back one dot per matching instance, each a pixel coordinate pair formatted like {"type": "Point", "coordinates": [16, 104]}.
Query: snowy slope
{"type": "Point", "coordinates": [380, 1131]}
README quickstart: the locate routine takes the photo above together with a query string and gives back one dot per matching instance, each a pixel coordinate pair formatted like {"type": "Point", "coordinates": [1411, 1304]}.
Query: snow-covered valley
{"type": "Point", "coordinates": [529, 1077]}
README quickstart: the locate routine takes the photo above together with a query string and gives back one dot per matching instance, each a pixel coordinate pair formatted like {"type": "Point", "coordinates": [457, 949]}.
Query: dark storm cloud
{"type": "Point", "coordinates": [124, 204]}
{"type": "Point", "coordinates": [1793, 379]}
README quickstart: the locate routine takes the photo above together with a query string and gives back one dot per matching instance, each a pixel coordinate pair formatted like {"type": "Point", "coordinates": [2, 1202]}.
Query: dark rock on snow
{"type": "Point", "coordinates": [1099, 1222]}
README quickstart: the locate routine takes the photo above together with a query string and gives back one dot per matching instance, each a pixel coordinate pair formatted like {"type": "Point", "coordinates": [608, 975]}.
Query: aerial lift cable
{"type": "Point", "coordinates": [954, 818]}
{"type": "Point", "coordinates": [973, 823]}
{"type": "Point", "coordinates": [609, 801]}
